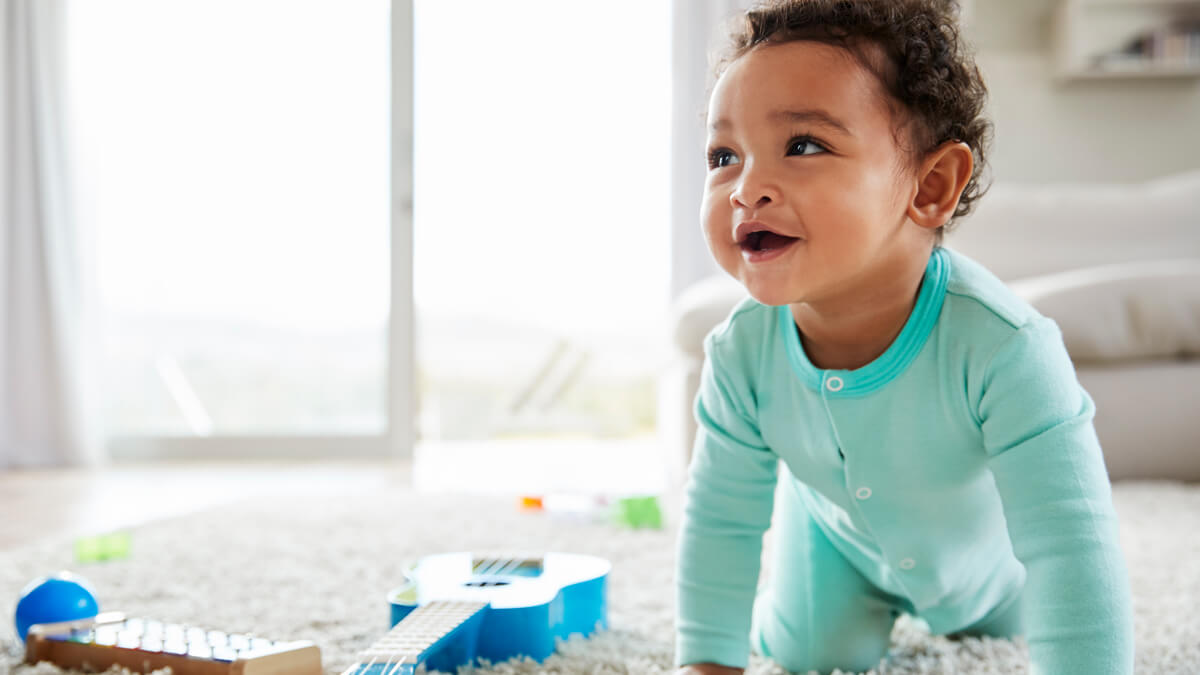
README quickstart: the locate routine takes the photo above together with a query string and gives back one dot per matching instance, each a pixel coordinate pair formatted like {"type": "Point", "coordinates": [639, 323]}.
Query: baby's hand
{"type": "Point", "coordinates": [707, 669]}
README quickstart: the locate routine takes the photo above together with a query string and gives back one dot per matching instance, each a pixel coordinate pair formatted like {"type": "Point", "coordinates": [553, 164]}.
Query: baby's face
{"type": "Point", "coordinates": [806, 194]}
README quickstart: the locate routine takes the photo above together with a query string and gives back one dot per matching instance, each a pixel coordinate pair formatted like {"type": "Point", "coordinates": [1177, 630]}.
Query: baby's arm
{"type": "Point", "coordinates": [730, 494]}
{"type": "Point", "coordinates": [1046, 460]}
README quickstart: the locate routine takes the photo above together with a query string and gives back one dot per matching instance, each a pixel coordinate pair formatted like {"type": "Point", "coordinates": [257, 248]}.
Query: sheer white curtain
{"type": "Point", "coordinates": [44, 404]}
{"type": "Point", "coordinates": [699, 30]}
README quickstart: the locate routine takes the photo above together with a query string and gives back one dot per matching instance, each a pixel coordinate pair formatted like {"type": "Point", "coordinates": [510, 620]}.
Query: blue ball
{"type": "Point", "coordinates": [61, 597]}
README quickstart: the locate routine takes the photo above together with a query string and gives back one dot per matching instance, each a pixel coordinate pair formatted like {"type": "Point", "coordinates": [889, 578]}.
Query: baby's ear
{"type": "Point", "coordinates": [941, 179]}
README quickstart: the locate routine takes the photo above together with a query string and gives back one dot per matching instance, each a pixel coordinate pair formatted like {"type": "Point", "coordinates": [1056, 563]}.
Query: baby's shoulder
{"type": "Point", "coordinates": [748, 320]}
{"type": "Point", "coordinates": [979, 303]}
{"type": "Point", "coordinates": [746, 334]}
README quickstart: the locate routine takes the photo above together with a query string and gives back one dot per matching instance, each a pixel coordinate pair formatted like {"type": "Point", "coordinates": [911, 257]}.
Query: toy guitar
{"type": "Point", "coordinates": [455, 608]}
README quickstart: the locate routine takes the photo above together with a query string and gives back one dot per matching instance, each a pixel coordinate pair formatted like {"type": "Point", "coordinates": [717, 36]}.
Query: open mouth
{"type": "Point", "coordinates": [765, 240]}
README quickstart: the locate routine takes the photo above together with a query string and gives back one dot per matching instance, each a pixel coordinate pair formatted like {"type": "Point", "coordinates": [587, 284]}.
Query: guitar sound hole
{"type": "Point", "coordinates": [486, 583]}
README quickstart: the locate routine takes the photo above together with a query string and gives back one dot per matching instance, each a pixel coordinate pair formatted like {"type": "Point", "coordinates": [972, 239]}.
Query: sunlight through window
{"type": "Point", "coordinates": [233, 163]}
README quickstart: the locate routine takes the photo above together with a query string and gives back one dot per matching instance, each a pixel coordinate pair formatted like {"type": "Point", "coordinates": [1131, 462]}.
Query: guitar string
{"type": "Point", "coordinates": [506, 565]}
{"type": "Point", "coordinates": [387, 664]}
{"type": "Point", "coordinates": [486, 566]}
{"type": "Point", "coordinates": [358, 668]}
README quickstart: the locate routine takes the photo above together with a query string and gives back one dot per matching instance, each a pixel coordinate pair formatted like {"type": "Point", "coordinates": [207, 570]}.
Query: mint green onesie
{"type": "Point", "coordinates": [957, 478]}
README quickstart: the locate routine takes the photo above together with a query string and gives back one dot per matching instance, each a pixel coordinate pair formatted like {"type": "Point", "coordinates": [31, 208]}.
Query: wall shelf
{"type": "Point", "coordinates": [1089, 36]}
{"type": "Point", "coordinates": [1147, 73]}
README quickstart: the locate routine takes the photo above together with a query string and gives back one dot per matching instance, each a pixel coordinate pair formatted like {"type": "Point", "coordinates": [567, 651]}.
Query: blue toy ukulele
{"type": "Point", "coordinates": [458, 607]}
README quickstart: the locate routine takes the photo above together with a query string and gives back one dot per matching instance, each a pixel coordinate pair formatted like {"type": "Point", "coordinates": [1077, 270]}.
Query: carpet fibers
{"type": "Point", "coordinates": [318, 569]}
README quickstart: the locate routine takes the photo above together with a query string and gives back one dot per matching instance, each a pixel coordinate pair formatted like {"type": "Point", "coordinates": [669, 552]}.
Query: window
{"type": "Point", "coordinates": [237, 158]}
{"type": "Point", "coordinates": [541, 196]}
{"type": "Point", "coordinates": [234, 165]}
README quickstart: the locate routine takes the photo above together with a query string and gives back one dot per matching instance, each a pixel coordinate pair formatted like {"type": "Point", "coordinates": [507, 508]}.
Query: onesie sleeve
{"type": "Point", "coordinates": [729, 497]}
{"type": "Point", "coordinates": [1048, 467]}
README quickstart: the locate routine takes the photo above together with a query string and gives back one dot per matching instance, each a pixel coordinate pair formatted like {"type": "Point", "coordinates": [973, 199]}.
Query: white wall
{"type": "Point", "coordinates": [1048, 131]}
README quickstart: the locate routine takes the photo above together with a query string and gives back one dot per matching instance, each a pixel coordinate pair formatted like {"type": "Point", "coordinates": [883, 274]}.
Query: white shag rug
{"type": "Point", "coordinates": [318, 569]}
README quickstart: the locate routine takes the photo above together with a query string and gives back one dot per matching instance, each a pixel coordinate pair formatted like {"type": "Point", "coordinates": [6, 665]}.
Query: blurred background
{"type": "Point", "coordinates": [330, 229]}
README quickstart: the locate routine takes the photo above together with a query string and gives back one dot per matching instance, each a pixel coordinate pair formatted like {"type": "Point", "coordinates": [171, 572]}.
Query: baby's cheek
{"type": "Point", "coordinates": [708, 202]}
{"type": "Point", "coordinates": [713, 220]}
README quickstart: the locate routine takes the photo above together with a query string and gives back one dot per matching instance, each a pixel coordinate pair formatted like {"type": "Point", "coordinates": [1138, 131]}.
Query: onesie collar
{"type": "Point", "coordinates": [902, 351]}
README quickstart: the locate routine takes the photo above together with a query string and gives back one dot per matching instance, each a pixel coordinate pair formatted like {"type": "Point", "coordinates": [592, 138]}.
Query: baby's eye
{"type": "Point", "coordinates": [720, 157]}
{"type": "Point", "coordinates": [804, 146]}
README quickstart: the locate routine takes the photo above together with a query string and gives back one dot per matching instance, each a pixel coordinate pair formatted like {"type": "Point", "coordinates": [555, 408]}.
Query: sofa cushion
{"type": "Point", "coordinates": [1139, 310]}
{"type": "Point", "coordinates": [700, 308]}
{"type": "Point", "coordinates": [1024, 230]}
{"type": "Point", "coordinates": [1146, 417]}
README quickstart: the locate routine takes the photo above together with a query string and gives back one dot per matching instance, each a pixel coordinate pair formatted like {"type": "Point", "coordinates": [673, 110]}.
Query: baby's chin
{"type": "Point", "coordinates": [772, 287]}
{"type": "Point", "coordinates": [772, 295]}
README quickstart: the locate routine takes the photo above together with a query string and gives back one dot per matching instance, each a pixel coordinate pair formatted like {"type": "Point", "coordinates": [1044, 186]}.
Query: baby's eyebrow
{"type": "Point", "coordinates": [812, 116]}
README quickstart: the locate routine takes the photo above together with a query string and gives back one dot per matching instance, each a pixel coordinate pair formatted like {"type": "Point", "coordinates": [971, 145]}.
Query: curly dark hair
{"type": "Point", "coordinates": [928, 68]}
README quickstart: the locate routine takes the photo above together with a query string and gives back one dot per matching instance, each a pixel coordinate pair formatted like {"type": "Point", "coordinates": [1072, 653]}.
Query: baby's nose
{"type": "Point", "coordinates": [750, 198]}
{"type": "Point", "coordinates": [755, 190]}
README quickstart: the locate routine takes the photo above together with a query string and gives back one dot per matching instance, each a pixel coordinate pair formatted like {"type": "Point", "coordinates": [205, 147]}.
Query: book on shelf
{"type": "Point", "coordinates": [1168, 47]}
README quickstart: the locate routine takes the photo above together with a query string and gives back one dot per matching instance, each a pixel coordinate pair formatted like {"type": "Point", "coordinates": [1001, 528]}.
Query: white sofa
{"type": "Point", "coordinates": [1117, 266]}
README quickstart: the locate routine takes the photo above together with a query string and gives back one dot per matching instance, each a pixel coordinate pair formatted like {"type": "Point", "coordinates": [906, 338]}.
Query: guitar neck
{"type": "Point", "coordinates": [401, 649]}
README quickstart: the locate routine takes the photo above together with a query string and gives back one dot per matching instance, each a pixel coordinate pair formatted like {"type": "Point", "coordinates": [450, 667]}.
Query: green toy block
{"type": "Point", "coordinates": [102, 547]}
{"type": "Point", "coordinates": [638, 512]}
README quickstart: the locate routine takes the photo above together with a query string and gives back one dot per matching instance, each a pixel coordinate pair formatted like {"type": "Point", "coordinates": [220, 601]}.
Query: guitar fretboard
{"type": "Point", "coordinates": [417, 633]}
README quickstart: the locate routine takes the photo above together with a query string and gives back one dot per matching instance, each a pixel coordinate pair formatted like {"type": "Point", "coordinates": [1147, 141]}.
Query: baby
{"type": "Point", "coordinates": [917, 429]}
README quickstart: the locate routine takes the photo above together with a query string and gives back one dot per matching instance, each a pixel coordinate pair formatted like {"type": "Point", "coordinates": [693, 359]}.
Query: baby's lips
{"type": "Point", "coordinates": [746, 228]}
